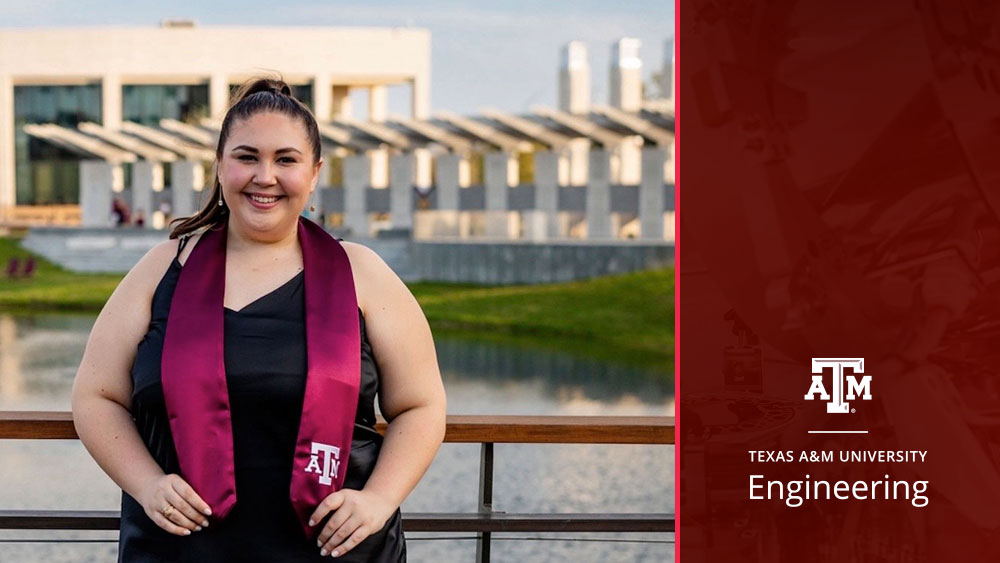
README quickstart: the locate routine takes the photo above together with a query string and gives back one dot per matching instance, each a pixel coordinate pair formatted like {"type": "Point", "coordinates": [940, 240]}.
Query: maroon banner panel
{"type": "Point", "coordinates": [838, 280]}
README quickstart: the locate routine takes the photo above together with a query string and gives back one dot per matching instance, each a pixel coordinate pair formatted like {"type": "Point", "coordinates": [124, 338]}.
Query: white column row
{"type": "Point", "coordinates": [400, 173]}
{"type": "Point", "coordinates": [98, 181]}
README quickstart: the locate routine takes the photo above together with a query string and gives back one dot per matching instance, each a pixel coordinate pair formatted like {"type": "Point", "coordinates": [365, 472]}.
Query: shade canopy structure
{"type": "Point", "coordinates": [529, 128]}
{"type": "Point", "coordinates": [143, 149]}
{"type": "Point", "coordinates": [198, 134]}
{"type": "Point", "coordinates": [79, 143]}
{"type": "Point", "coordinates": [188, 149]}
{"type": "Point", "coordinates": [543, 129]}
{"type": "Point", "coordinates": [379, 131]}
{"type": "Point", "coordinates": [650, 130]}
{"type": "Point", "coordinates": [435, 134]}
{"type": "Point", "coordinates": [581, 125]}
{"type": "Point", "coordinates": [485, 133]}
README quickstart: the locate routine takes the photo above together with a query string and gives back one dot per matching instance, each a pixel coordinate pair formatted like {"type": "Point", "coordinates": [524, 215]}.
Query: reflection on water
{"type": "Point", "coordinates": [39, 355]}
{"type": "Point", "coordinates": [49, 347]}
{"type": "Point", "coordinates": [38, 360]}
{"type": "Point", "coordinates": [560, 376]}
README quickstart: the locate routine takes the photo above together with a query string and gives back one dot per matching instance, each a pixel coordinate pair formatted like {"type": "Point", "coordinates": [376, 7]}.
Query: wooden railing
{"type": "Point", "coordinates": [484, 430]}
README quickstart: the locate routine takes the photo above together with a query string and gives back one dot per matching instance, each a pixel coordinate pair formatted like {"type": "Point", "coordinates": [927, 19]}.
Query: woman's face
{"type": "Point", "coordinates": [267, 174]}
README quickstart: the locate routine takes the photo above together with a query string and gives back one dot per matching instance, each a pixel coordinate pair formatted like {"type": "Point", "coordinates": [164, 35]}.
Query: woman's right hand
{"type": "Point", "coordinates": [174, 506]}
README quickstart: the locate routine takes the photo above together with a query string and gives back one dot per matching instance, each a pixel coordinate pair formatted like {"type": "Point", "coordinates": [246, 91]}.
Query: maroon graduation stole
{"type": "Point", "coordinates": [194, 375]}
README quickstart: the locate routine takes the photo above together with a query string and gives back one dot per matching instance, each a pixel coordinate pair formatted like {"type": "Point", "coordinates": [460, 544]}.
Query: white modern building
{"type": "Point", "coordinates": [179, 71]}
{"type": "Point", "coordinates": [97, 119]}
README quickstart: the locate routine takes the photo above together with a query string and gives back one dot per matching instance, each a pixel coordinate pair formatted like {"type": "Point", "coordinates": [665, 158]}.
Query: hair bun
{"type": "Point", "coordinates": [270, 85]}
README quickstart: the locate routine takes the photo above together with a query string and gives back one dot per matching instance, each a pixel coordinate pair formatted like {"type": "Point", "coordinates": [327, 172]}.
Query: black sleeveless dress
{"type": "Point", "coordinates": [265, 359]}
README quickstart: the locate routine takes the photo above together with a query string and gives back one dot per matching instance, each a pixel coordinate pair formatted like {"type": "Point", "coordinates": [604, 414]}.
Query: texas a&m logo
{"type": "Point", "coordinates": [331, 462]}
{"type": "Point", "coordinates": [845, 387]}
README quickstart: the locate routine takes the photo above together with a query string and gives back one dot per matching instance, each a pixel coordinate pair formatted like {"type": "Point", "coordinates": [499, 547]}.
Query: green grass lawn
{"type": "Point", "coordinates": [51, 287]}
{"type": "Point", "coordinates": [627, 318]}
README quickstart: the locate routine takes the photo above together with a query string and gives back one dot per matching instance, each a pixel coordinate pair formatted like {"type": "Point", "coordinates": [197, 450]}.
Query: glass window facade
{"type": "Point", "coordinates": [304, 93]}
{"type": "Point", "coordinates": [147, 104]}
{"type": "Point", "coordinates": [45, 173]}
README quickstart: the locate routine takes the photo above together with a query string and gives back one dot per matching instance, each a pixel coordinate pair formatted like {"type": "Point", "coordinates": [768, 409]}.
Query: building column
{"type": "Point", "coordinates": [447, 172]}
{"type": "Point", "coordinates": [651, 193]}
{"type": "Point", "coordinates": [117, 178]}
{"type": "Point", "coordinates": [574, 78]}
{"type": "Point", "coordinates": [356, 175]}
{"type": "Point", "coordinates": [542, 223]}
{"type": "Point", "coordinates": [322, 91]}
{"type": "Point", "coordinates": [445, 219]}
{"type": "Point", "coordinates": [8, 177]}
{"type": "Point", "coordinates": [378, 161]}
{"type": "Point", "coordinates": [627, 162]}
{"type": "Point", "coordinates": [147, 177]}
{"type": "Point", "coordinates": [598, 202]}
{"type": "Point", "coordinates": [668, 166]}
{"type": "Point", "coordinates": [420, 97]}
{"type": "Point", "coordinates": [96, 179]}
{"type": "Point", "coordinates": [111, 101]}
{"type": "Point", "coordinates": [496, 166]}
{"type": "Point", "coordinates": [625, 88]}
{"type": "Point", "coordinates": [401, 186]}
{"type": "Point", "coordinates": [578, 154]}
{"type": "Point", "coordinates": [513, 171]}
{"type": "Point", "coordinates": [667, 74]}
{"type": "Point", "coordinates": [422, 175]}
{"type": "Point", "coordinates": [340, 105]}
{"type": "Point", "coordinates": [464, 173]}
{"type": "Point", "coordinates": [377, 103]}
{"type": "Point", "coordinates": [218, 96]}
{"type": "Point", "coordinates": [187, 177]}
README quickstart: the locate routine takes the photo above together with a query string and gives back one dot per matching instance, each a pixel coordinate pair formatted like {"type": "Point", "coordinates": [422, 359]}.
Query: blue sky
{"type": "Point", "coordinates": [497, 54]}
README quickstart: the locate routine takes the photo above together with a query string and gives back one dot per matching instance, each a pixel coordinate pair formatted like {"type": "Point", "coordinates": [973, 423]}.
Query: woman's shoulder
{"type": "Point", "coordinates": [371, 273]}
{"type": "Point", "coordinates": [360, 255]}
{"type": "Point", "coordinates": [133, 294]}
{"type": "Point", "coordinates": [366, 263]}
{"type": "Point", "coordinates": [150, 269]}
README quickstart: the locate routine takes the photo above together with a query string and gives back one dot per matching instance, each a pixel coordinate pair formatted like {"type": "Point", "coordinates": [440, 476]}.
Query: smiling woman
{"type": "Point", "coordinates": [266, 185]}
{"type": "Point", "coordinates": [269, 147]}
{"type": "Point", "coordinates": [228, 384]}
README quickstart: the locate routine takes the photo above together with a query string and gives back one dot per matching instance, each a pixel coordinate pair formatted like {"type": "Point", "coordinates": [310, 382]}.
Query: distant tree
{"type": "Point", "coordinates": [476, 168]}
{"type": "Point", "coordinates": [335, 171]}
{"type": "Point", "coordinates": [654, 88]}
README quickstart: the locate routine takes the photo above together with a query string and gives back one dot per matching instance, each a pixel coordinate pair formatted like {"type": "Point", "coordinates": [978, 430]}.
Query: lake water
{"type": "Point", "coordinates": [38, 359]}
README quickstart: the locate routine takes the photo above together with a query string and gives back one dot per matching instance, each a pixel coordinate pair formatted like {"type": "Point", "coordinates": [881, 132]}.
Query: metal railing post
{"type": "Point", "coordinates": [485, 499]}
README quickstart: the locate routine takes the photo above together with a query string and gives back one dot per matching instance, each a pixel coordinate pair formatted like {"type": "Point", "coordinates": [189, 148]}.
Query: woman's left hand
{"type": "Point", "coordinates": [356, 515]}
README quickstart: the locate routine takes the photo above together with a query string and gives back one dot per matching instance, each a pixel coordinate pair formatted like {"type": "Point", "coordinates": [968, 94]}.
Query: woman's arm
{"type": "Point", "coordinates": [102, 400]}
{"type": "Point", "coordinates": [411, 397]}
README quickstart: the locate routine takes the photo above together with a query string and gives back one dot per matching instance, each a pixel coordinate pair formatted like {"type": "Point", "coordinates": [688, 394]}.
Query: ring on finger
{"type": "Point", "coordinates": [167, 510]}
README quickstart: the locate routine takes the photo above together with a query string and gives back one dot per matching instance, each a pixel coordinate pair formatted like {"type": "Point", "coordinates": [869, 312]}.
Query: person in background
{"type": "Point", "coordinates": [120, 211]}
{"type": "Point", "coordinates": [166, 209]}
{"type": "Point", "coordinates": [228, 385]}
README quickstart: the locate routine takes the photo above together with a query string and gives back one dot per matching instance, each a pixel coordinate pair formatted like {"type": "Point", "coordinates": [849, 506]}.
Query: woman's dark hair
{"type": "Point", "coordinates": [258, 95]}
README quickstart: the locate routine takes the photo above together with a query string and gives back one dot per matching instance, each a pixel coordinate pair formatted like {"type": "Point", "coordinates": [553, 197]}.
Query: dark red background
{"type": "Point", "coordinates": [838, 196]}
